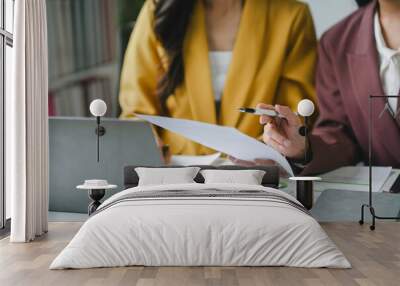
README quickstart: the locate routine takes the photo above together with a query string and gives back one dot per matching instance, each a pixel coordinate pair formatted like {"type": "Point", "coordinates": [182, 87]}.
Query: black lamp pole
{"type": "Point", "coordinates": [100, 131]}
{"type": "Point", "coordinates": [98, 138]}
{"type": "Point", "coordinates": [307, 151]}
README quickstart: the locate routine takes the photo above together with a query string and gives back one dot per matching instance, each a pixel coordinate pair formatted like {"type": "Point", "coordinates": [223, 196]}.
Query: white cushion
{"type": "Point", "coordinates": [166, 176]}
{"type": "Point", "coordinates": [246, 177]}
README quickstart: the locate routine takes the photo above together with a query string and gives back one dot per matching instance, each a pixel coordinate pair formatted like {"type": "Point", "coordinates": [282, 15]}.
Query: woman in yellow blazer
{"type": "Point", "coordinates": [167, 70]}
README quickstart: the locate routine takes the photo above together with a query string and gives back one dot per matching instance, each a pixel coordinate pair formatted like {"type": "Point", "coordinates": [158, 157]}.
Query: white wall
{"type": "Point", "coordinates": [328, 12]}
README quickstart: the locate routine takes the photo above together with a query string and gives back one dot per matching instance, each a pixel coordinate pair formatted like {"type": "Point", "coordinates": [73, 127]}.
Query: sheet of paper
{"type": "Point", "coordinates": [223, 139]}
{"type": "Point", "coordinates": [359, 176]}
{"type": "Point", "coordinates": [185, 160]}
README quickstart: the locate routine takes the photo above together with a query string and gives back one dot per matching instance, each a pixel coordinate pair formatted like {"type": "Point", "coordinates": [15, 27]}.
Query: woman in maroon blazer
{"type": "Point", "coordinates": [358, 57]}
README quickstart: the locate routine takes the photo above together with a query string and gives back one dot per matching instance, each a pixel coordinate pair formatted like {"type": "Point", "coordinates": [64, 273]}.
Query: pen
{"type": "Point", "coordinates": [258, 111]}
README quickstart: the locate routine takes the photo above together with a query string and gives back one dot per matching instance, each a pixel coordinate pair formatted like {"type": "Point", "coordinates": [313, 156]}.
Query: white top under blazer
{"type": "Point", "coordinates": [389, 65]}
{"type": "Point", "coordinates": [219, 64]}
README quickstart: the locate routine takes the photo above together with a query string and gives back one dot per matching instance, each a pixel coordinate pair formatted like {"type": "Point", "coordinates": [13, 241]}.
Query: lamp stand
{"type": "Point", "coordinates": [307, 151]}
{"type": "Point", "coordinates": [100, 131]}
{"type": "Point", "coordinates": [370, 161]}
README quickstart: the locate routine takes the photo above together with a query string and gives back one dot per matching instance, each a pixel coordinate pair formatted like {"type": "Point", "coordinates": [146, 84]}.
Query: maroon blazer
{"type": "Point", "coordinates": [347, 74]}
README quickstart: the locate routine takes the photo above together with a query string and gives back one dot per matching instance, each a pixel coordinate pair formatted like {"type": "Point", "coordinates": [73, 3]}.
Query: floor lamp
{"type": "Point", "coordinates": [370, 163]}
{"type": "Point", "coordinates": [98, 108]}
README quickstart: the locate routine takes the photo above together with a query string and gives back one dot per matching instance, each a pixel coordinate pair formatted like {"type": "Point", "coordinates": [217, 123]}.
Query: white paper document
{"type": "Point", "coordinates": [359, 176]}
{"type": "Point", "coordinates": [223, 139]}
{"type": "Point", "coordinates": [187, 160]}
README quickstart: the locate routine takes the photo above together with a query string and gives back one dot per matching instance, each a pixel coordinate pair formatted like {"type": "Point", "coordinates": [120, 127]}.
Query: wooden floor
{"type": "Point", "coordinates": [375, 257]}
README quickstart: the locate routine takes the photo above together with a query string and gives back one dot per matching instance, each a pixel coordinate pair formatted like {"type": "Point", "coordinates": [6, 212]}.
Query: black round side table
{"type": "Point", "coordinates": [95, 195]}
{"type": "Point", "coordinates": [305, 190]}
{"type": "Point", "coordinates": [96, 191]}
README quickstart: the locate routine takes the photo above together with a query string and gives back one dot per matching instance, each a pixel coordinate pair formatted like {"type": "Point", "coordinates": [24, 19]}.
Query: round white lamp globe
{"type": "Point", "coordinates": [305, 107]}
{"type": "Point", "coordinates": [98, 107]}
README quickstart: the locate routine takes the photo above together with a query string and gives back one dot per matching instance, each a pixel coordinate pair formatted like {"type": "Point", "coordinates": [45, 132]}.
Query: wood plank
{"type": "Point", "coordinates": [375, 257]}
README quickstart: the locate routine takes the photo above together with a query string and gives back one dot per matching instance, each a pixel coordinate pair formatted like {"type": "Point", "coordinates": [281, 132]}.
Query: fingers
{"type": "Point", "coordinates": [271, 131]}
{"type": "Point", "coordinates": [281, 133]}
{"type": "Point", "coordinates": [261, 162]}
{"type": "Point", "coordinates": [241, 162]}
{"type": "Point", "coordinates": [265, 162]}
{"type": "Point", "coordinates": [290, 116]}
{"type": "Point", "coordinates": [265, 106]}
{"type": "Point", "coordinates": [272, 143]}
{"type": "Point", "coordinates": [285, 111]}
{"type": "Point", "coordinates": [264, 119]}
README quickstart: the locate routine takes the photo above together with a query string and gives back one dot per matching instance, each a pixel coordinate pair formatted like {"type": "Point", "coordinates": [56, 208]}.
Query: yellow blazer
{"type": "Point", "coordinates": [273, 62]}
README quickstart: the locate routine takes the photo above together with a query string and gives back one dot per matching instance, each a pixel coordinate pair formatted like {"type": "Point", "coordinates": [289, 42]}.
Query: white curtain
{"type": "Point", "coordinates": [27, 124]}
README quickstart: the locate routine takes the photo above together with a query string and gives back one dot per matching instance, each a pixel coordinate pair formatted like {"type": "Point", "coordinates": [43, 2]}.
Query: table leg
{"type": "Point", "coordinates": [95, 196]}
{"type": "Point", "coordinates": [305, 193]}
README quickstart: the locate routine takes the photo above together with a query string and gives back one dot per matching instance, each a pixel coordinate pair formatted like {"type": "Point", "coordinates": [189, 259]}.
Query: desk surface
{"type": "Point", "coordinates": [319, 187]}
{"type": "Point", "coordinates": [335, 202]}
{"type": "Point", "coordinates": [342, 202]}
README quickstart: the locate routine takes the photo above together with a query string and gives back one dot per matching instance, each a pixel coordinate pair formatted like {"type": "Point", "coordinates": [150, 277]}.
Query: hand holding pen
{"type": "Point", "coordinates": [281, 129]}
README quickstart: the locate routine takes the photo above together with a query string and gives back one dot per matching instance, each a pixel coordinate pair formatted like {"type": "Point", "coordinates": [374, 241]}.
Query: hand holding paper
{"type": "Point", "coordinates": [227, 140]}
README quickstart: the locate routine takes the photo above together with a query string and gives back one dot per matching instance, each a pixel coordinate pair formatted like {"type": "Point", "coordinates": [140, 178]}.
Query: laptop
{"type": "Point", "coordinates": [73, 156]}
